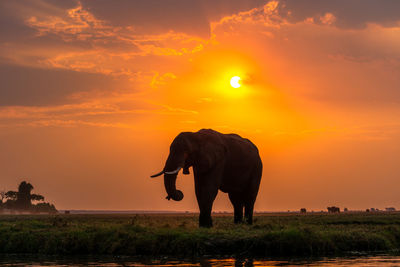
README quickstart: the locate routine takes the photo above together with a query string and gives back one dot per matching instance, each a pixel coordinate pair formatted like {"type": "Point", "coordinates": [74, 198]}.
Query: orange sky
{"type": "Point", "coordinates": [93, 92]}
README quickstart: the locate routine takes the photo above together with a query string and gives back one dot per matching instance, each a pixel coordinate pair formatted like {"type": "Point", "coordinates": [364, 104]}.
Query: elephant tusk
{"type": "Point", "coordinates": [158, 174]}
{"type": "Point", "coordinates": [174, 172]}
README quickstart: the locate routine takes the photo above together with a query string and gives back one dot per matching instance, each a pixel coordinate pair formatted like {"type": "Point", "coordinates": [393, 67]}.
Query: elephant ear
{"type": "Point", "coordinates": [209, 155]}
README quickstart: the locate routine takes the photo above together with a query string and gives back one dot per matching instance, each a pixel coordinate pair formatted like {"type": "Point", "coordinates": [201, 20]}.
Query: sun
{"type": "Point", "coordinates": [235, 82]}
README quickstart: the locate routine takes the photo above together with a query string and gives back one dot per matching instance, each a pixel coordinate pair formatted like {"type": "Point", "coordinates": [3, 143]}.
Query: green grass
{"type": "Point", "coordinates": [179, 235]}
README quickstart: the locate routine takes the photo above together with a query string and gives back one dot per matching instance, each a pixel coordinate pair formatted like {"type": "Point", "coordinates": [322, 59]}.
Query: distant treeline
{"type": "Point", "coordinates": [21, 201]}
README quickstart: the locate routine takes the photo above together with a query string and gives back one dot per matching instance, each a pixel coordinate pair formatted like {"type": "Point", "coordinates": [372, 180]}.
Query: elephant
{"type": "Point", "coordinates": [225, 162]}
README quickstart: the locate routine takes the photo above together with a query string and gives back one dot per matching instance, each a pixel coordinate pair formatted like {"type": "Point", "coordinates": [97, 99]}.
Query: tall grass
{"type": "Point", "coordinates": [179, 235]}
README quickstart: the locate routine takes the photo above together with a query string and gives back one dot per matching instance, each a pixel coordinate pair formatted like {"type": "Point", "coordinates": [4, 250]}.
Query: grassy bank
{"type": "Point", "coordinates": [178, 235]}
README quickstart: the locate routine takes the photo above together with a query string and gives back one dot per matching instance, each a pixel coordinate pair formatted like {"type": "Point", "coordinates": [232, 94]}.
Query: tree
{"type": "Point", "coordinates": [36, 197]}
{"type": "Point", "coordinates": [11, 195]}
{"type": "Point", "coordinates": [23, 198]}
{"type": "Point", "coordinates": [2, 196]}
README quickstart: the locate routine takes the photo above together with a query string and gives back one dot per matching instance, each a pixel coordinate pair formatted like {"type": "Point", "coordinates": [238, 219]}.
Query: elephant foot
{"type": "Point", "coordinates": [205, 222]}
{"type": "Point", "coordinates": [249, 222]}
{"type": "Point", "coordinates": [238, 218]}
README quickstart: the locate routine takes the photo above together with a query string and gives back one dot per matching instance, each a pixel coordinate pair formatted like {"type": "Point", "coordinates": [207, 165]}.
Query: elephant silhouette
{"type": "Point", "coordinates": [225, 162]}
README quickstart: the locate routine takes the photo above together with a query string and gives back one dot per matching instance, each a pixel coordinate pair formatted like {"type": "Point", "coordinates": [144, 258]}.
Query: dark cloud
{"type": "Point", "coordinates": [147, 17]}
{"type": "Point", "coordinates": [64, 4]}
{"type": "Point", "coordinates": [39, 86]}
{"type": "Point", "coordinates": [193, 17]}
{"type": "Point", "coordinates": [156, 16]}
{"type": "Point", "coordinates": [13, 16]}
{"type": "Point", "coordinates": [34, 86]}
{"type": "Point", "coordinates": [12, 27]}
{"type": "Point", "coordinates": [349, 13]}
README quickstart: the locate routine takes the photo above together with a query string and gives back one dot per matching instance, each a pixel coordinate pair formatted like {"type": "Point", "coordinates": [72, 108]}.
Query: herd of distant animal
{"type": "Point", "coordinates": [334, 209]}
{"type": "Point", "coordinates": [225, 162]}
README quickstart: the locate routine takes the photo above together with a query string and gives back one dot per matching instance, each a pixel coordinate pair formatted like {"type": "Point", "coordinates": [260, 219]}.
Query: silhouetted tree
{"type": "Point", "coordinates": [2, 196]}
{"type": "Point", "coordinates": [23, 198]}
{"type": "Point", "coordinates": [36, 197]}
{"type": "Point", "coordinates": [11, 195]}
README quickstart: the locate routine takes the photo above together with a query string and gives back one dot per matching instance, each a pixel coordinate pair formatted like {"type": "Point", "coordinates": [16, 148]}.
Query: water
{"type": "Point", "coordinates": [18, 260]}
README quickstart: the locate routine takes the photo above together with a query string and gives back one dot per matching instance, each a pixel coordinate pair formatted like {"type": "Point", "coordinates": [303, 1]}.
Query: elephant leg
{"type": "Point", "coordinates": [248, 212]}
{"type": "Point", "coordinates": [237, 203]}
{"type": "Point", "coordinates": [205, 202]}
{"type": "Point", "coordinates": [249, 206]}
{"type": "Point", "coordinates": [252, 195]}
{"type": "Point", "coordinates": [205, 199]}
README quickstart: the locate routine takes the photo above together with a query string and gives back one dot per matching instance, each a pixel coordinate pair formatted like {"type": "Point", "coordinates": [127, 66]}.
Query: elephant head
{"type": "Point", "coordinates": [188, 149]}
{"type": "Point", "coordinates": [180, 151]}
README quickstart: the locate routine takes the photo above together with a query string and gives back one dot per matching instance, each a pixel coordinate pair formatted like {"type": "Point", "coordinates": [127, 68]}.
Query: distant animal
{"type": "Point", "coordinates": [303, 210]}
{"type": "Point", "coordinates": [333, 209]}
{"type": "Point", "coordinates": [225, 162]}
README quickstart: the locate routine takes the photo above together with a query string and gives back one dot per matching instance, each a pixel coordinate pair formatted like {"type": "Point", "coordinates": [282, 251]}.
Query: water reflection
{"type": "Point", "coordinates": [227, 262]}
{"type": "Point", "coordinates": [18, 260]}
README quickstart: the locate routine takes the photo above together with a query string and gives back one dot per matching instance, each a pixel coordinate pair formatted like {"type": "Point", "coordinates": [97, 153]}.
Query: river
{"type": "Point", "coordinates": [28, 260]}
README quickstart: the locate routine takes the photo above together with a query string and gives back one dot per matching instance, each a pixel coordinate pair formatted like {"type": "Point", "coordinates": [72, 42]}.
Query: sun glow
{"type": "Point", "coordinates": [236, 88]}
{"type": "Point", "coordinates": [235, 82]}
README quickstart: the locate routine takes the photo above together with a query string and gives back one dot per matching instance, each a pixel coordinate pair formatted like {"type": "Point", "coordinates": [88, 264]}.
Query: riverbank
{"type": "Point", "coordinates": [178, 235]}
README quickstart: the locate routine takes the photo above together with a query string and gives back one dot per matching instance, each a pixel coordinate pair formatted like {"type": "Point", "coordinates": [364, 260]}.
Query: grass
{"type": "Point", "coordinates": [179, 235]}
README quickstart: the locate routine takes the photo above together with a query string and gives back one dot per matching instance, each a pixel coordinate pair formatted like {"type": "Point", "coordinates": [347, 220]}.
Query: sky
{"type": "Point", "coordinates": [92, 93]}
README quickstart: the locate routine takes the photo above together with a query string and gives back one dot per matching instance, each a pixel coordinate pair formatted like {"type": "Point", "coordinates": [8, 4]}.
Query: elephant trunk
{"type": "Point", "coordinates": [170, 187]}
{"type": "Point", "coordinates": [174, 163]}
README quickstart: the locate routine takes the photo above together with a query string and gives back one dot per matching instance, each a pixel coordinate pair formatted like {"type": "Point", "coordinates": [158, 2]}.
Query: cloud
{"type": "Point", "coordinates": [370, 132]}
{"type": "Point", "coordinates": [157, 17]}
{"type": "Point", "coordinates": [179, 110]}
{"type": "Point", "coordinates": [264, 16]}
{"type": "Point", "coordinates": [34, 86]}
{"type": "Point", "coordinates": [354, 14]}
{"type": "Point", "coordinates": [161, 79]}
{"type": "Point", "coordinates": [76, 39]}
{"type": "Point", "coordinates": [76, 24]}
{"type": "Point", "coordinates": [105, 111]}
{"type": "Point", "coordinates": [14, 13]}
{"type": "Point", "coordinates": [315, 58]}
{"type": "Point", "coordinates": [328, 18]}
{"type": "Point", "coordinates": [108, 40]}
